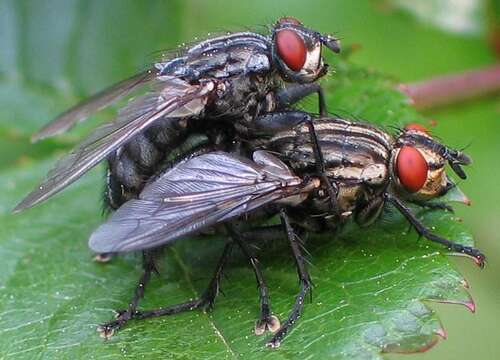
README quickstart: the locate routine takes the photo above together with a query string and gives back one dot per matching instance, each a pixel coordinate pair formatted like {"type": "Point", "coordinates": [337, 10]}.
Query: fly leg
{"type": "Point", "coordinates": [434, 205]}
{"type": "Point", "coordinates": [304, 279]}
{"type": "Point", "coordinates": [281, 120]}
{"type": "Point", "coordinates": [320, 167]}
{"type": "Point", "coordinates": [265, 233]}
{"type": "Point", "coordinates": [294, 93]}
{"type": "Point", "coordinates": [289, 96]}
{"type": "Point", "coordinates": [107, 330]}
{"type": "Point", "coordinates": [422, 230]}
{"type": "Point", "coordinates": [266, 321]}
{"type": "Point", "coordinates": [206, 300]}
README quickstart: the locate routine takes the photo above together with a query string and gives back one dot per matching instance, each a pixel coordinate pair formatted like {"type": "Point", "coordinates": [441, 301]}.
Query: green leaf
{"type": "Point", "coordinates": [370, 284]}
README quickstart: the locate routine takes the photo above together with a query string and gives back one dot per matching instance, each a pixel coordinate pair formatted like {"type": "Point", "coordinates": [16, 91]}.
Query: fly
{"type": "Point", "coordinates": [367, 168]}
{"type": "Point", "coordinates": [236, 77]}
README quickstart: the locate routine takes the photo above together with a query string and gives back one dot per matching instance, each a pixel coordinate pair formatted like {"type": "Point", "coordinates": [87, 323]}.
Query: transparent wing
{"type": "Point", "coordinates": [99, 101]}
{"type": "Point", "coordinates": [195, 194]}
{"type": "Point", "coordinates": [173, 98]}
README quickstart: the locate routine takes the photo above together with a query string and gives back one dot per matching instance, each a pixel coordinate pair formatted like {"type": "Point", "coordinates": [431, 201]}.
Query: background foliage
{"type": "Point", "coordinates": [52, 295]}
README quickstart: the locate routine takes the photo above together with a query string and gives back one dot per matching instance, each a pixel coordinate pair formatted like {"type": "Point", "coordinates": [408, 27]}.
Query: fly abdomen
{"type": "Point", "coordinates": [126, 170]}
{"type": "Point", "coordinates": [132, 164]}
{"type": "Point", "coordinates": [143, 152]}
{"type": "Point", "coordinates": [146, 155]}
{"type": "Point", "coordinates": [167, 133]}
{"type": "Point", "coordinates": [122, 180]}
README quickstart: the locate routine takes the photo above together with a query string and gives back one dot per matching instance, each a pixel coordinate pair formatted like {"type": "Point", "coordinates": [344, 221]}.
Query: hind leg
{"type": "Point", "coordinates": [107, 330]}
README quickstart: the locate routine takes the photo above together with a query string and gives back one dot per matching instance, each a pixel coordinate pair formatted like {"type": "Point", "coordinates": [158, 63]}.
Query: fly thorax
{"type": "Point", "coordinates": [247, 95]}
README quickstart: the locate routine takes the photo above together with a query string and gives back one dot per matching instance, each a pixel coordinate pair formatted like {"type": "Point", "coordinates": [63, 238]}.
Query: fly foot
{"type": "Point", "coordinates": [103, 257]}
{"type": "Point", "coordinates": [107, 330]}
{"type": "Point", "coordinates": [270, 323]}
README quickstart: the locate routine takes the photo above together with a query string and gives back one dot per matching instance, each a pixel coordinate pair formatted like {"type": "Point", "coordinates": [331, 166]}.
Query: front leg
{"type": "Point", "coordinates": [294, 93]}
{"type": "Point", "coordinates": [108, 329]}
{"type": "Point", "coordinates": [437, 205]}
{"type": "Point", "coordinates": [422, 230]}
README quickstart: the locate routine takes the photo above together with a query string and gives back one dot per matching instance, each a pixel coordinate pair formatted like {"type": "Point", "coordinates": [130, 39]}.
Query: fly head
{"type": "Point", "coordinates": [418, 164]}
{"type": "Point", "coordinates": [297, 51]}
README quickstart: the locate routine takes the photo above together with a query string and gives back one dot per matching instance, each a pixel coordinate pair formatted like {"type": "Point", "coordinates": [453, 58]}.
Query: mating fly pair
{"type": "Point", "coordinates": [314, 176]}
{"type": "Point", "coordinates": [228, 86]}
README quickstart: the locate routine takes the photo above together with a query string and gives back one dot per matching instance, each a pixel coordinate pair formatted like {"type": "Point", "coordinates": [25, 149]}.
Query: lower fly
{"type": "Point", "coordinates": [363, 170]}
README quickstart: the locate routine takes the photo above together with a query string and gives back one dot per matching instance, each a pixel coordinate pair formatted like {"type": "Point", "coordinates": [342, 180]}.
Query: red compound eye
{"type": "Point", "coordinates": [412, 168]}
{"type": "Point", "coordinates": [291, 49]}
{"type": "Point", "coordinates": [417, 127]}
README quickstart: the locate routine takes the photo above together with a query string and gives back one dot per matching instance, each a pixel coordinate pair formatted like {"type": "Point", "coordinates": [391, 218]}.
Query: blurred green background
{"type": "Point", "coordinates": [408, 40]}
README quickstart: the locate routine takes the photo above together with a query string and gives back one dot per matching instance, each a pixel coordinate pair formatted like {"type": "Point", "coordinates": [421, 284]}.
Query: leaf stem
{"type": "Point", "coordinates": [449, 89]}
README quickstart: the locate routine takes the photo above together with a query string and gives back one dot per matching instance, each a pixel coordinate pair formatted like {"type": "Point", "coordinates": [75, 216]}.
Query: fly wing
{"type": "Point", "coordinates": [193, 195]}
{"type": "Point", "coordinates": [173, 98]}
{"type": "Point", "coordinates": [99, 101]}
